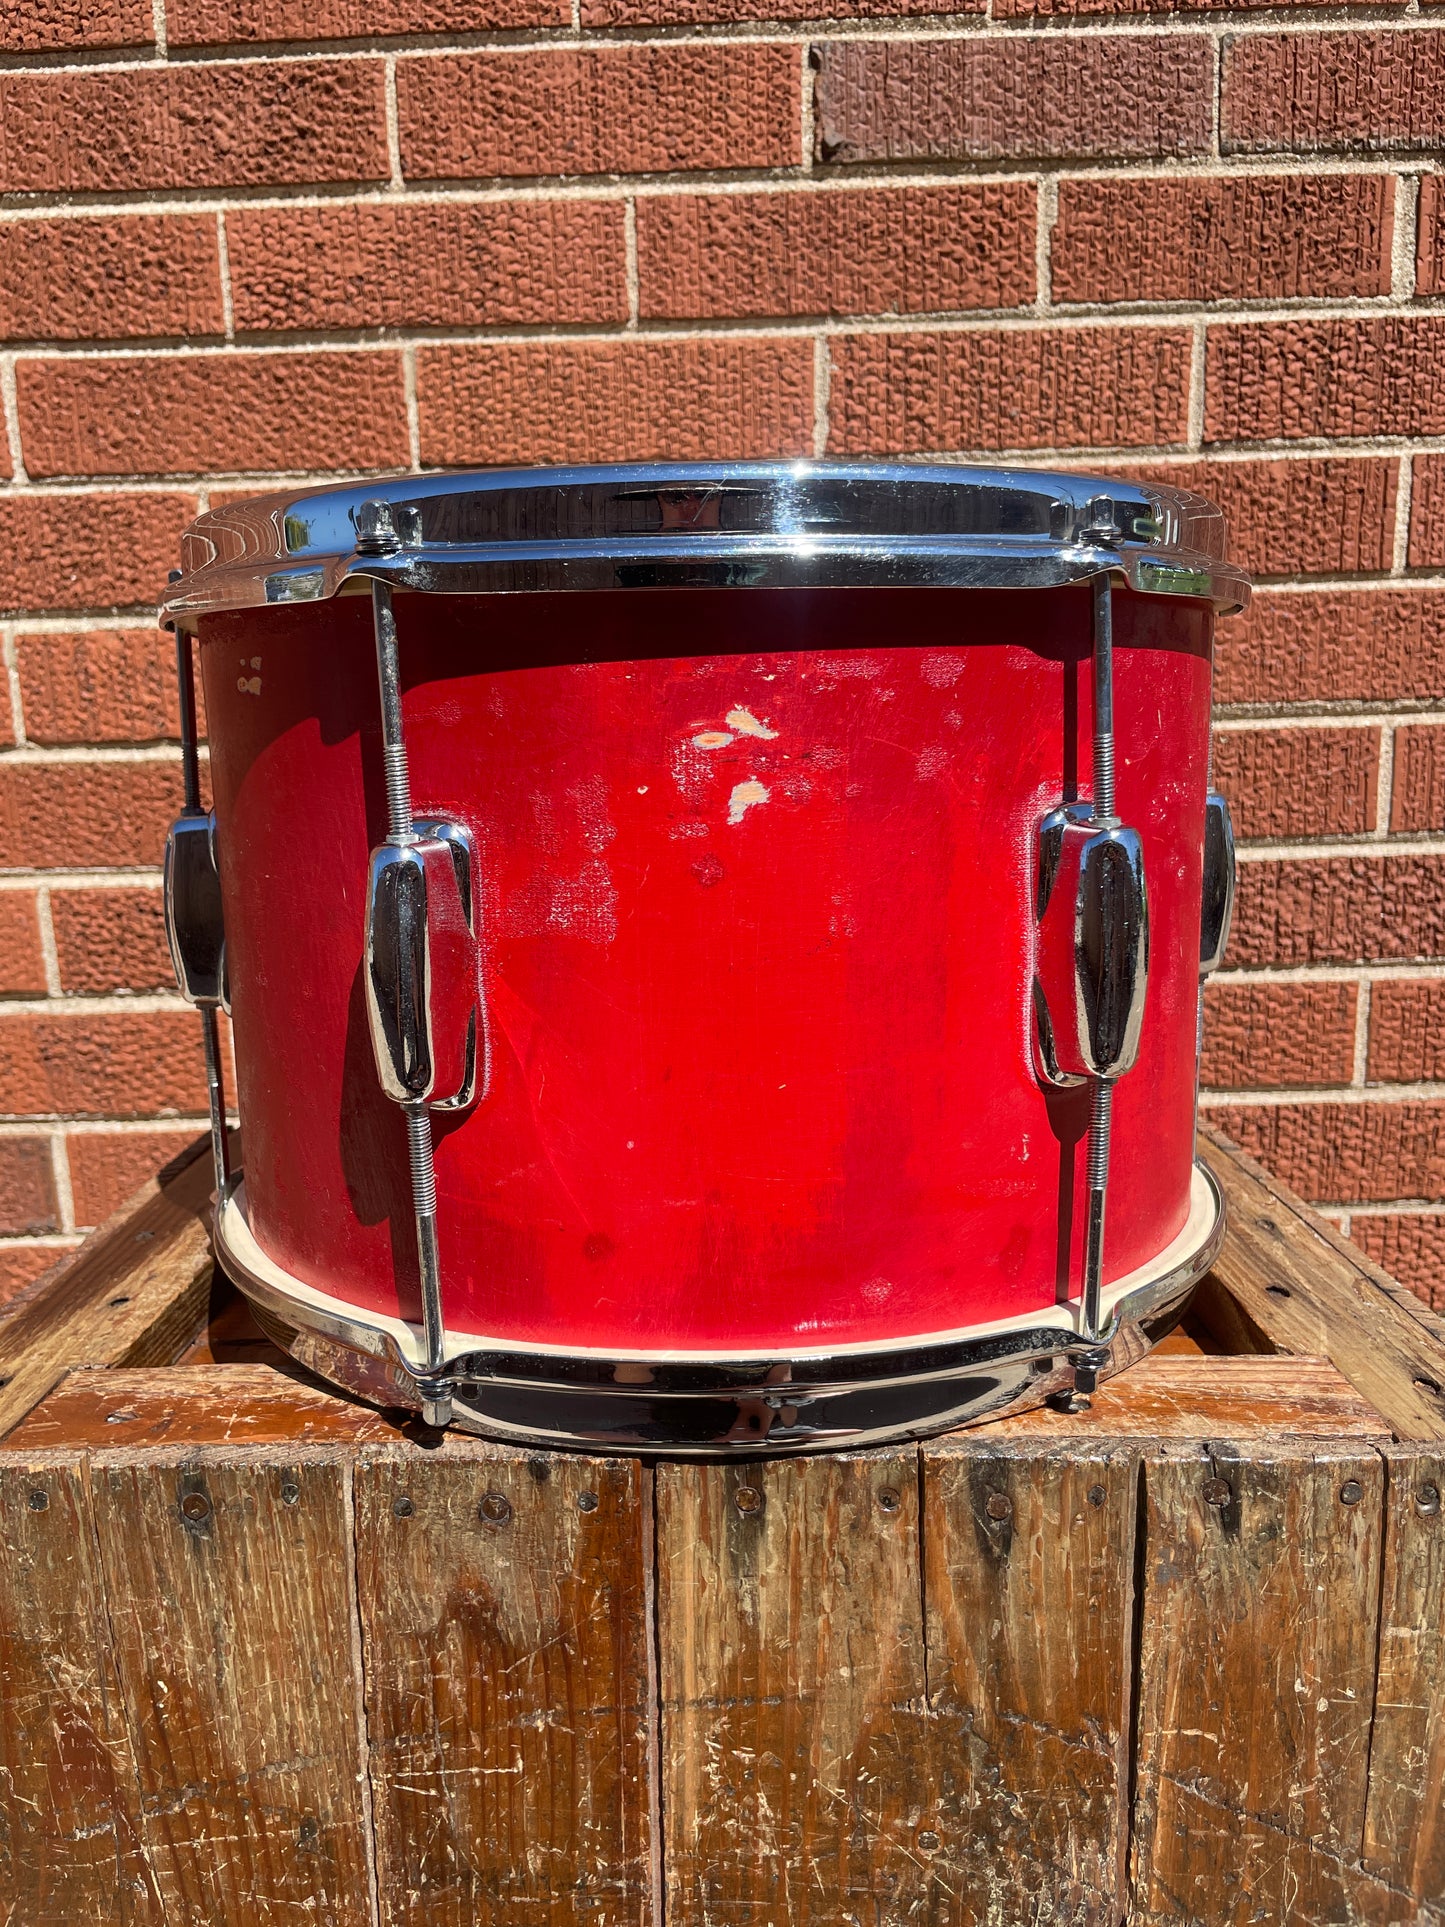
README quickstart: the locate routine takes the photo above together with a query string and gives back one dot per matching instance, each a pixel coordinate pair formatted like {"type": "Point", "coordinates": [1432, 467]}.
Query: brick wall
{"type": "Point", "coordinates": [250, 239]}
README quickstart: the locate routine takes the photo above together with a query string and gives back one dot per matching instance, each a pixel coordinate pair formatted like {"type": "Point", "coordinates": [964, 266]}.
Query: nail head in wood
{"type": "Point", "coordinates": [196, 1507]}
{"type": "Point", "coordinates": [402, 1508]}
{"type": "Point", "coordinates": [748, 1500]}
{"type": "Point", "coordinates": [495, 1509]}
{"type": "Point", "coordinates": [888, 1500]}
{"type": "Point", "coordinates": [290, 1492]}
{"type": "Point", "coordinates": [1351, 1492]}
{"type": "Point", "coordinates": [586, 1501]}
{"type": "Point", "coordinates": [999, 1506]}
{"type": "Point", "coordinates": [1097, 1495]}
{"type": "Point", "coordinates": [39, 1501]}
{"type": "Point", "coordinates": [1427, 1498]}
{"type": "Point", "coordinates": [1218, 1492]}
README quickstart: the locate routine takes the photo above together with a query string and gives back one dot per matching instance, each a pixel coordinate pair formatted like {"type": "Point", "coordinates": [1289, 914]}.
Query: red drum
{"type": "Point", "coordinates": [706, 945]}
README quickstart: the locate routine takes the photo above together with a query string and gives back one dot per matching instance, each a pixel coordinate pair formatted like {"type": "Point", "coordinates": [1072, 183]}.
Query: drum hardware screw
{"type": "Point", "coordinates": [1218, 1492]}
{"type": "Point", "coordinates": [928, 1841]}
{"type": "Point", "coordinates": [1097, 1495]}
{"type": "Point", "coordinates": [999, 1506]}
{"type": "Point", "coordinates": [290, 1493]}
{"type": "Point", "coordinates": [748, 1500]}
{"type": "Point", "coordinates": [196, 1507]}
{"type": "Point", "coordinates": [495, 1509]}
{"type": "Point", "coordinates": [1351, 1492]}
{"type": "Point", "coordinates": [1427, 1498]}
{"type": "Point", "coordinates": [586, 1501]}
{"type": "Point", "coordinates": [402, 1508]}
{"type": "Point", "coordinates": [39, 1501]}
{"type": "Point", "coordinates": [888, 1500]}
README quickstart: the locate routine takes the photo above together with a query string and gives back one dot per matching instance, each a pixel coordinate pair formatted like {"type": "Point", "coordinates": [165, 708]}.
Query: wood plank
{"type": "Point", "coordinates": [133, 1294]}
{"type": "Point", "coordinates": [790, 1640]}
{"type": "Point", "coordinates": [1256, 1662]}
{"type": "Point", "coordinates": [194, 1405]}
{"type": "Point", "coordinates": [229, 1592]}
{"type": "Point", "coordinates": [1311, 1294]}
{"type": "Point", "coordinates": [1405, 1819]}
{"type": "Point", "coordinates": [505, 1606]}
{"type": "Point", "coordinates": [1168, 1396]}
{"type": "Point", "coordinates": [70, 1843]}
{"type": "Point", "coordinates": [1029, 1566]}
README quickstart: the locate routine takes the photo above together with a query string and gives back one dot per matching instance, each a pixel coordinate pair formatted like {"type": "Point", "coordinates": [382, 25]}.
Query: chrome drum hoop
{"type": "Point", "coordinates": [716, 1406]}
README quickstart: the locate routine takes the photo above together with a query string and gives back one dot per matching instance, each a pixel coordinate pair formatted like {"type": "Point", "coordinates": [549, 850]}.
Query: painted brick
{"type": "Point", "coordinates": [1312, 515]}
{"type": "Point", "coordinates": [111, 130]}
{"type": "Point", "coordinates": [1411, 1247]}
{"type": "Point", "coordinates": [110, 1064]}
{"type": "Point", "coordinates": [1256, 1035]}
{"type": "Point", "coordinates": [86, 815]}
{"type": "Point", "coordinates": [99, 686]}
{"type": "Point", "coordinates": [1407, 1030]}
{"type": "Point", "coordinates": [1365, 375]}
{"type": "Point", "coordinates": [904, 250]}
{"type": "Point", "coordinates": [1334, 644]}
{"type": "Point", "coordinates": [93, 551]}
{"type": "Point", "coordinates": [225, 23]}
{"type": "Point", "coordinates": [22, 968]}
{"type": "Point", "coordinates": [1341, 909]}
{"type": "Point", "coordinates": [1020, 388]}
{"type": "Point", "coordinates": [1427, 512]}
{"type": "Point", "coordinates": [668, 13]}
{"type": "Point", "coordinates": [169, 414]}
{"type": "Point", "coordinates": [1013, 99]}
{"type": "Point", "coordinates": [1340, 1153]}
{"type": "Point", "coordinates": [1298, 782]}
{"type": "Point", "coordinates": [626, 109]}
{"type": "Point", "coordinates": [27, 1187]}
{"type": "Point", "coordinates": [1333, 92]}
{"type": "Point", "coordinates": [22, 1264]}
{"type": "Point", "coordinates": [55, 26]}
{"type": "Point", "coordinates": [1417, 800]}
{"type": "Point", "coordinates": [491, 263]}
{"type": "Point", "coordinates": [152, 275]}
{"type": "Point", "coordinates": [615, 401]}
{"type": "Point", "coordinates": [109, 940]}
{"type": "Point", "coordinates": [108, 1167]}
{"type": "Point", "coordinates": [1247, 237]}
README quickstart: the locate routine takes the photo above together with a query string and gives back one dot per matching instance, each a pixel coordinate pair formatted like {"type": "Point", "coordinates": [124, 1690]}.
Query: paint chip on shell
{"type": "Point", "coordinates": [712, 739]}
{"type": "Point", "coordinates": [249, 685]}
{"type": "Point", "coordinates": [743, 798]}
{"type": "Point", "coordinates": [745, 723]}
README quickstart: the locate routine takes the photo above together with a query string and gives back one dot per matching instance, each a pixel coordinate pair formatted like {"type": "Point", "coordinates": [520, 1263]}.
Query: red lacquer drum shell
{"type": "Point", "coordinates": [712, 884]}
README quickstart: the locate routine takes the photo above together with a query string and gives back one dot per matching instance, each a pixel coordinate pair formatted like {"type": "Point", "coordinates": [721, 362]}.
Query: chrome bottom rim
{"type": "Point", "coordinates": [710, 1406]}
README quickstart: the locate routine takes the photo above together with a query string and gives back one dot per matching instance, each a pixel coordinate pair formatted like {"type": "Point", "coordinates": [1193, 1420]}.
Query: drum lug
{"type": "Point", "coordinates": [195, 930]}
{"type": "Point", "coordinates": [1217, 909]}
{"type": "Point", "coordinates": [1092, 962]}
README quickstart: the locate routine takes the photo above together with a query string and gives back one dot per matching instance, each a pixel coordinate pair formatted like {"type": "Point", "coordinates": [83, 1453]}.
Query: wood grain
{"type": "Point", "coordinates": [70, 1841]}
{"type": "Point", "coordinates": [1256, 1663]}
{"type": "Point", "coordinates": [790, 1637]}
{"type": "Point", "coordinates": [1029, 1567]}
{"type": "Point", "coordinates": [1311, 1294]}
{"type": "Point", "coordinates": [1405, 1819]}
{"type": "Point", "coordinates": [506, 1619]}
{"type": "Point", "coordinates": [234, 1644]}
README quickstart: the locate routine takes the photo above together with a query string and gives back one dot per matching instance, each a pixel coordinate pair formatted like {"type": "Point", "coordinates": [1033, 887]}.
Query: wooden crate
{"type": "Point", "coordinates": [265, 1659]}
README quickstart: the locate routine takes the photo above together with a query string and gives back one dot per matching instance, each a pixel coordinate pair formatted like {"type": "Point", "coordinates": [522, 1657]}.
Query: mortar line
{"type": "Point", "coordinates": [413, 409]}
{"type": "Point", "coordinates": [49, 952]}
{"type": "Point", "coordinates": [822, 392]}
{"type": "Point", "coordinates": [630, 264]}
{"type": "Point", "coordinates": [1385, 782]}
{"type": "Point", "coordinates": [223, 262]}
{"type": "Point", "coordinates": [11, 660]}
{"type": "Point", "coordinates": [60, 1173]}
{"type": "Point", "coordinates": [1360, 1066]}
{"type": "Point", "coordinates": [393, 126]}
{"type": "Point", "coordinates": [1423, 1091]}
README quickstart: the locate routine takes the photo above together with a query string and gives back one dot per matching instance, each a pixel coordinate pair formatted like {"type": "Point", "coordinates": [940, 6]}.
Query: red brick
{"type": "Point", "coordinates": [1011, 99]}
{"type": "Point", "coordinates": [86, 815]}
{"type": "Point", "coordinates": [107, 1064]}
{"type": "Point", "coordinates": [667, 13]}
{"type": "Point", "coordinates": [22, 1264]}
{"type": "Point", "coordinates": [138, 275]}
{"type": "Point", "coordinates": [225, 23]}
{"type": "Point", "coordinates": [1246, 237]}
{"type": "Point", "coordinates": [1411, 1247]}
{"type": "Point", "coordinates": [1341, 909]}
{"type": "Point", "coordinates": [108, 1167]}
{"type": "Point", "coordinates": [1417, 799]}
{"type": "Point", "coordinates": [93, 551]}
{"type": "Point", "coordinates": [111, 130]}
{"type": "Point", "coordinates": [107, 686]}
{"type": "Point", "coordinates": [490, 263]}
{"type": "Point", "coordinates": [1056, 9]}
{"type": "Point", "coordinates": [1340, 1153]}
{"type": "Point", "coordinates": [1430, 237]}
{"type": "Point", "coordinates": [108, 940]}
{"type": "Point", "coordinates": [906, 250]}
{"type": "Point", "coordinates": [1020, 388]}
{"type": "Point", "coordinates": [54, 26]}
{"type": "Point", "coordinates": [170, 414]}
{"type": "Point", "coordinates": [1310, 93]}
{"type": "Point", "coordinates": [615, 400]}
{"type": "Point", "coordinates": [1345, 645]}
{"type": "Point", "coordinates": [1365, 375]}
{"type": "Point", "coordinates": [1257, 1035]}
{"type": "Point", "coordinates": [626, 110]}
{"type": "Point", "coordinates": [1427, 512]}
{"type": "Point", "coordinates": [1312, 515]}
{"type": "Point", "coordinates": [27, 1187]}
{"type": "Point", "coordinates": [1296, 782]}
{"type": "Point", "coordinates": [1407, 1030]}
{"type": "Point", "coordinates": [22, 968]}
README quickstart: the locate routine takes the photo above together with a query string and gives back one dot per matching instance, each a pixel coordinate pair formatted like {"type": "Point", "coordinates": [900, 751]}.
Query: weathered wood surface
{"type": "Point", "coordinates": [506, 1623]}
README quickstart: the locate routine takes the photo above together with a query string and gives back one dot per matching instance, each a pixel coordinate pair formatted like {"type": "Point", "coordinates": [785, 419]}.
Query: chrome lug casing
{"type": "Point", "coordinates": [1092, 966]}
{"type": "Point", "coordinates": [195, 931]}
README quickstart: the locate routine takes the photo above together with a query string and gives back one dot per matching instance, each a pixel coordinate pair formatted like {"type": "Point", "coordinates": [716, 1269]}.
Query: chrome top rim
{"type": "Point", "coordinates": [742, 525]}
